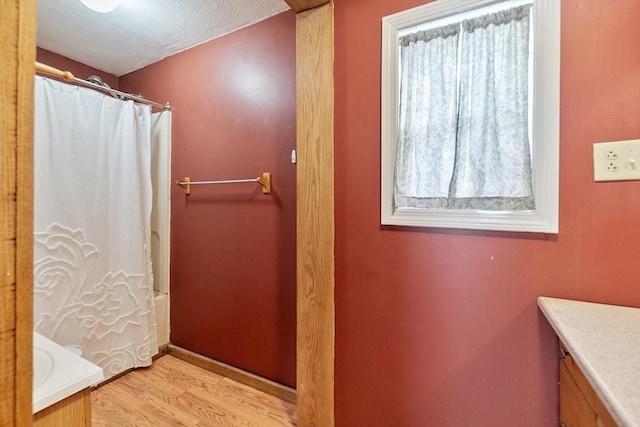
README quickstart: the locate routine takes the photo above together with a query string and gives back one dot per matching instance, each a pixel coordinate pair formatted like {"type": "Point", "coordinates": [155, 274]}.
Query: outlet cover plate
{"type": "Point", "coordinates": [616, 161]}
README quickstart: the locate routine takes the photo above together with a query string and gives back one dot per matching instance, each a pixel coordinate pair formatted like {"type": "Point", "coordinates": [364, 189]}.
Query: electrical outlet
{"type": "Point", "coordinates": [616, 161]}
{"type": "Point", "coordinates": [611, 155]}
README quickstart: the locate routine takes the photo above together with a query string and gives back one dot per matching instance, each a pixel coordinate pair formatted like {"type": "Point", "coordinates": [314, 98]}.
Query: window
{"type": "Point", "coordinates": [470, 94]}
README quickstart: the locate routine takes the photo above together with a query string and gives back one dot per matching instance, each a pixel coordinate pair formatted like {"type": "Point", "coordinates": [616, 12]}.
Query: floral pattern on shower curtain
{"type": "Point", "coordinates": [93, 283]}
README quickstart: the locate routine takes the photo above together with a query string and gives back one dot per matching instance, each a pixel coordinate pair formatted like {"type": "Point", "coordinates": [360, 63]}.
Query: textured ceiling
{"type": "Point", "coordinates": [140, 32]}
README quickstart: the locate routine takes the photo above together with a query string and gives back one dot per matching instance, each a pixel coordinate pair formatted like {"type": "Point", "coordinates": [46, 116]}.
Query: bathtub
{"type": "Point", "coordinates": [58, 373]}
{"type": "Point", "coordinates": [162, 317]}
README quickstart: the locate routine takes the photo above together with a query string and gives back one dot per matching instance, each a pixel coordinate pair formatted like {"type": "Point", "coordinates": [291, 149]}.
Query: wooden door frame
{"type": "Point", "coordinates": [17, 53]}
{"type": "Point", "coordinates": [315, 211]}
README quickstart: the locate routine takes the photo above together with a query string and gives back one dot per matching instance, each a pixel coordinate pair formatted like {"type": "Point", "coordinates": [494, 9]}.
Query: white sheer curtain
{"type": "Point", "coordinates": [93, 283]}
{"type": "Point", "coordinates": [428, 115]}
{"type": "Point", "coordinates": [477, 157]}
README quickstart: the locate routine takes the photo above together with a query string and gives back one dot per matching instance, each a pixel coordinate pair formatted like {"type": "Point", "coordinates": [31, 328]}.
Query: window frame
{"type": "Point", "coordinates": [545, 100]}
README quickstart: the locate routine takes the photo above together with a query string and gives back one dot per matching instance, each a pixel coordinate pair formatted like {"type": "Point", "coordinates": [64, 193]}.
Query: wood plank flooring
{"type": "Point", "coordinates": [176, 393]}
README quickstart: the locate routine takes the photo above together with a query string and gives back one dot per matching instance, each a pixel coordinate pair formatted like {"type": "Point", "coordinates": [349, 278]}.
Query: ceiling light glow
{"type": "Point", "coordinates": [102, 6]}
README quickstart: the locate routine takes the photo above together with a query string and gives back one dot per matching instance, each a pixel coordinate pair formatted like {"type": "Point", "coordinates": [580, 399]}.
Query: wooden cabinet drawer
{"type": "Point", "coordinates": [580, 406]}
{"type": "Point", "coordinates": [575, 410]}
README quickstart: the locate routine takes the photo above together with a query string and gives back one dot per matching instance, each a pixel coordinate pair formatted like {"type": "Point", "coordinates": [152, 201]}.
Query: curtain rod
{"type": "Point", "coordinates": [69, 77]}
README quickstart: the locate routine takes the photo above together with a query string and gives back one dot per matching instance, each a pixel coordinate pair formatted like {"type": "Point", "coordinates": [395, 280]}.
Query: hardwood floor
{"type": "Point", "coordinates": [176, 393]}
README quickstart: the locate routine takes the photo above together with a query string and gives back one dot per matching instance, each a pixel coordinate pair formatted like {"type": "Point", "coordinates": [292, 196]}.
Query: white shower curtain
{"type": "Point", "coordinates": [93, 283]}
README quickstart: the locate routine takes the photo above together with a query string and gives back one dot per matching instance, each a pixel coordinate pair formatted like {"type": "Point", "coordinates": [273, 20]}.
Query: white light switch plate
{"type": "Point", "coordinates": [616, 161]}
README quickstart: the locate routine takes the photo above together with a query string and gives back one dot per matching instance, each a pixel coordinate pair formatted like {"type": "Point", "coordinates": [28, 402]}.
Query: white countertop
{"type": "Point", "coordinates": [71, 374]}
{"type": "Point", "coordinates": [604, 340]}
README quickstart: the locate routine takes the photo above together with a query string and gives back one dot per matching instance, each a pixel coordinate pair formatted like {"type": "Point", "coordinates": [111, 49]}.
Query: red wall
{"type": "Point", "coordinates": [440, 327]}
{"type": "Point", "coordinates": [233, 250]}
{"type": "Point", "coordinates": [78, 69]}
{"type": "Point", "coordinates": [433, 327]}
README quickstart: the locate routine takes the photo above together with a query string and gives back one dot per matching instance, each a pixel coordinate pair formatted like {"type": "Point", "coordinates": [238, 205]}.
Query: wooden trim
{"type": "Point", "coordinates": [270, 387]}
{"type": "Point", "coordinates": [315, 216]}
{"type": "Point", "coordinates": [162, 350]}
{"type": "Point", "coordinates": [304, 5]}
{"type": "Point", "coordinates": [17, 54]}
{"type": "Point", "coordinates": [113, 378]}
{"type": "Point", "coordinates": [24, 241]}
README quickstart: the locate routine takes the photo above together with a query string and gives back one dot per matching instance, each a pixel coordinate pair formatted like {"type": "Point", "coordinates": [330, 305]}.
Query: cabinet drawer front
{"type": "Point", "coordinates": [604, 418]}
{"type": "Point", "coordinates": [579, 401]}
{"type": "Point", "coordinates": [575, 411]}
{"type": "Point", "coordinates": [581, 381]}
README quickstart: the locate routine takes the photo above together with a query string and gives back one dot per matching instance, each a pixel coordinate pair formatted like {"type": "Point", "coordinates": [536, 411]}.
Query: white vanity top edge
{"type": "Point", "coordinates": [71, 374]}
{"type": "Point", "coordinates": [604, 340]}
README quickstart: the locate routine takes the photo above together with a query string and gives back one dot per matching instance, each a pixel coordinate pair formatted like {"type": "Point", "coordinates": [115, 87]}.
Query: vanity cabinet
{"type": "Point", "coordinates": [599, 362]}
{"type": "Point", "coordinates": [62, 396]}
{"type": "Point", "coordinates": [580, 406]}
{"type": "Point", "coordinates": [74, 410]}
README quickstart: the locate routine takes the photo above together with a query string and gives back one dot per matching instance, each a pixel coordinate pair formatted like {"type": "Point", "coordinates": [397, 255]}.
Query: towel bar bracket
{"type": "Point", "coordinates": [186, 185]}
